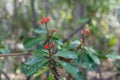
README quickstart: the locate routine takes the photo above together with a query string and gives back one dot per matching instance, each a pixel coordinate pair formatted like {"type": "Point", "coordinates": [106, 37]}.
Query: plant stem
{"type": "Point", "coordinates": [47, 28]}
{"type": "Point", "coordinates": [54, 70]}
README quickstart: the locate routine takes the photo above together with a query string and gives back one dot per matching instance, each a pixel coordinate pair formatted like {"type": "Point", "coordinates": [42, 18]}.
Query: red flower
{"type": "Point", "coordinates": [53, 30]}
{"type": "Point", "coordinates": [87, 32]}
{"type": "Point", "coordinates": [44, 20]}
{"type": "Point", "coordinates": [46, 47]}
{"type": "Point", "coordinates": [51, 45]}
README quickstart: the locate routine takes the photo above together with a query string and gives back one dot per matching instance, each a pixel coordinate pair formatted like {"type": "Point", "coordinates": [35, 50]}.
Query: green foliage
{"type": "Point", "coordinates": [51, 54]}
{"type": "Point", "coordinates": [41, 71]}
{"type": "Point", "coordinates": [40, 31]}
{"type": "Point", "coordinates": [41, 52]}
{"type": "Point", "coordinates": [18, 27]}
{"type": "Point", "coordinates": [32, 65]}
{"type": "Point", "coordinates": [73, 70]}
{"type": "Point", "coordinates": [66, 54]}
{"type": "Point", "coordinates": [112, 41]}
{"type": "Point", "coordinates": [32, 42]}
{"type": "Point", "coordinates": [86, 62]}
{"type": "Point", "coordinates": [92, 53]}
{"type": "Point", "coordinates": [50, 77]}
{"type": "Point", "coordinates": [112, 55]}
{"type": "Point", "coordinates": [116, 63]}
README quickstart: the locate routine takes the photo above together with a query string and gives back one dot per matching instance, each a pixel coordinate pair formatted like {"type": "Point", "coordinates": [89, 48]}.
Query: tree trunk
{"type": "Point", "coordinates": [78, 12]}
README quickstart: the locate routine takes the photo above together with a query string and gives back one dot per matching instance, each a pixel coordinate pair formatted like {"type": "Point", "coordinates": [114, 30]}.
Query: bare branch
{"type": "Point", "coordinates": [14, 54]}
{"type": "Point", "coordinates": [6, 76]}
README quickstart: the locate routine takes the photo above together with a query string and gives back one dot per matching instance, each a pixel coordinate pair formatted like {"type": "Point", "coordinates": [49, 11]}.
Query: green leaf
{"type": "Point", "coordinates": [4, 51]}
{"type": "Point", "coordinates": [112, 41]}
{"type": "Point", "coordinates": [41, 71]}
{"type": "Point", "coordinates": [92, 53]}
{"type": "Point", "coordinates": [83, 20]}
{"type": "Point", "coordinates": [74, 44]}
{"type": "Point", "coordinates": [33, 65]}
{"type": "Point", "coordinates": [40, 31]}
{"type": "Point", "coordinates": [116, 63]}
{"type": "Point", "coordinates": [87, 62]}
{"type": "Point", "coordinates": [91, 50]}
{"type": "Point", "coordinates": [34, 60]}
{"type": "Point", "coordinates": [56, 37]}
{"type": "Point", "coordinates": [32, 42]}
{"type": "Point", "coordinates": [50, 77]}
{"type": "Point", "coordinates": [101, 55]}
{"type": "Point", "coordinates": [39, 53]}
{"type": "Point", "coordinates": [73, 70]}
{"type": "Point", "coordinates": [66, 54]}
{"type": "Point", "coordinates": [113, 56]}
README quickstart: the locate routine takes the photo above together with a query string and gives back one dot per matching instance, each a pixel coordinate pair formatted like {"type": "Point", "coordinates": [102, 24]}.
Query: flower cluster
{"type": "Point", "coordinates": [44, 20]}
{"type": "Point", "coordinates": [48, 46]}
{"type": "Point", "coordinates": [86, 32]}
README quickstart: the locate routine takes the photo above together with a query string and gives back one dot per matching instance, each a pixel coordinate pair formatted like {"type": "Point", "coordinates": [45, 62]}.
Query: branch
{"type": "Point", "coordinates": [6, 76]}
{"type": "Point", "coordinates": [14, 54]}
{"type": "Point", "coordinates": [75, 31]}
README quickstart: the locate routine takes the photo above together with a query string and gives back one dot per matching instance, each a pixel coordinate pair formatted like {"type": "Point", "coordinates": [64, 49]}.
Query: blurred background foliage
{"type": "Point", "coordinates": [18, 18]}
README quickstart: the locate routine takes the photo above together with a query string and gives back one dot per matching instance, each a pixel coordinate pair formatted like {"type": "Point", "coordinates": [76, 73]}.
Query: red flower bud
{"type": "Point", "coordinates": [51, 45]}
{"type": "Point", "coordinates": [44, 20]}
{"type": "Point", "coordinates": [53, 30]}
{"type": "Point", "coordinates": [87, 32]}
{"type": "Point", "coordinates": [46, 47]}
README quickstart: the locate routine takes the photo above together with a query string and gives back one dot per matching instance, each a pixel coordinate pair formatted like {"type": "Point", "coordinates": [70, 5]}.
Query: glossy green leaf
{"type": "Point", "coordinates": [66, 54]}
{"type": "Point", "coordinates": [91, 50]}
{"type": "Point", "coordinates": [32, 42]}
{"type": "Point", "coordinates": [73, 70]}
{"type": "Point", "coordinates": [40, 31]}
{"type": "Point", "coordinates": [87, 62]}
{"type": "Point", "coordinates": [33, 65]}
{"type": "Point", "coordinates": [34, 60]}
{"type": "Point", "coordinates": [93, 55]}
{"type": "Point", "coordinates": [113, 55]}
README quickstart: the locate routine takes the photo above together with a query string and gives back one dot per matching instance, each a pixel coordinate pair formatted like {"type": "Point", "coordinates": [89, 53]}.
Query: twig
{"type": "Point", "coordinates": [6, 76]}
{"type": "Point", "coordinates": [14, 54]}
{"type": "Point", "coordinates": [47, 28]}
{"type": "Point", "coordinates": [75, 31]}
